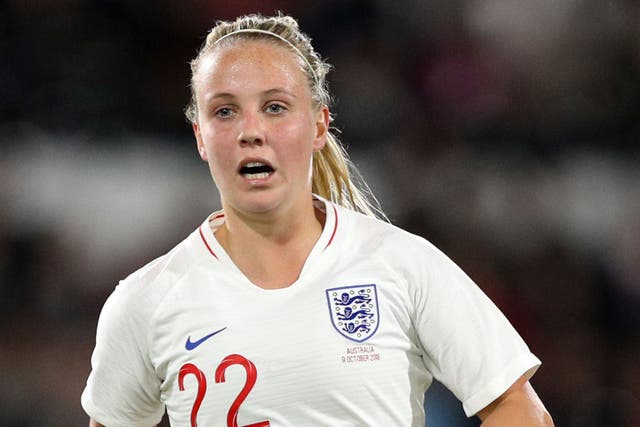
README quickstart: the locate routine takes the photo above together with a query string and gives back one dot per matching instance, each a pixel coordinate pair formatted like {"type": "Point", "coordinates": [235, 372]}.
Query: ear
{"type": "Point", "coordinates": [323, 119]}
{"type": "Point", "coordinates": [201, 148]}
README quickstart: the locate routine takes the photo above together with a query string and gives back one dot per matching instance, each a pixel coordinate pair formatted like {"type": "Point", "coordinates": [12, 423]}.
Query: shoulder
{"type": "Point", "coordinates": [411, 258]}
{"type": "Point", "coordinates": [138, 295]}
{"type": "Point", "coordinates": [377, 235]}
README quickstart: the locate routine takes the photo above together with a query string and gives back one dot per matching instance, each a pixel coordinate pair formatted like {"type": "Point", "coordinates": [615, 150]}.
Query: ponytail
{"type": "Point", "coordinates": [337, 179]}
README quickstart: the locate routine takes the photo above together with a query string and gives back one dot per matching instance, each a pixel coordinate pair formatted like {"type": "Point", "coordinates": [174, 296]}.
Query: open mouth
{"type": "Point", "coordinates": [256, 170]}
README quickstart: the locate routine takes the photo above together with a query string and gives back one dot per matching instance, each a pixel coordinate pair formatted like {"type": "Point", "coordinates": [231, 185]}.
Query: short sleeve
{"type": "Point", "coordinates": [123, 388]}
{"type": "Point", "coordinates": [469, 345]}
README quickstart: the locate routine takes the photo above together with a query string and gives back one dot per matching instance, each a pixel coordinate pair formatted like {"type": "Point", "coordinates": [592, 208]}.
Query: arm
{"type": "Point", "coordinates": [123, 388]}
{"type": "Point", "coordinates": [519, 406]}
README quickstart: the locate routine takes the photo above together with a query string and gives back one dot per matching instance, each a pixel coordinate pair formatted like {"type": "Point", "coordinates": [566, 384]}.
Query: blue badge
{"type": "Point", "coordinates": [354, 311]}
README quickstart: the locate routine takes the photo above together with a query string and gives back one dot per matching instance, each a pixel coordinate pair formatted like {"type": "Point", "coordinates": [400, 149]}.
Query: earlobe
{"type": "Point", "coordinates": [200, 143]}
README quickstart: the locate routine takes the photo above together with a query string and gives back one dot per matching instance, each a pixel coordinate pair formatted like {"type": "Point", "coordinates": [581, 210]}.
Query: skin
{"type": "Point", "coordinates": [254, 103]}
{"type": "Point", "coordinates": [519, 406]}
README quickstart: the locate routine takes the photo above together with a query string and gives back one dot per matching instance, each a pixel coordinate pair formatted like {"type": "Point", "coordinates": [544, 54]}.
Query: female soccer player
{"type": "Point", "coordinates": [294, 305]}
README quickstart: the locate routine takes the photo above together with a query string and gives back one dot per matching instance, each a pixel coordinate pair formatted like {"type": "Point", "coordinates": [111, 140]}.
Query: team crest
{"type": "Point", "coordinates": [354, 311]}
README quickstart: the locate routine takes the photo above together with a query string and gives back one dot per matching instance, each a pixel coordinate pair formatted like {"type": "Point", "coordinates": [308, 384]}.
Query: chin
{"type": "Point", "coordinates": [258, 202]}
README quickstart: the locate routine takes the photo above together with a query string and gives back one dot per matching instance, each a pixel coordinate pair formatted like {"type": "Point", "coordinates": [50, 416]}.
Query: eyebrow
{"type": "Point", "coordinates": [277, 91]}
{"type": "Point", "coordinates": [269, 92]}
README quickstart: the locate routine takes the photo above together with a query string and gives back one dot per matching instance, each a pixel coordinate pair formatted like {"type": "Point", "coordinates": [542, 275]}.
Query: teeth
{"type": "Point", "coordinates": [256, 175]}
{"type": "Point", "coordinates": [256, 170]}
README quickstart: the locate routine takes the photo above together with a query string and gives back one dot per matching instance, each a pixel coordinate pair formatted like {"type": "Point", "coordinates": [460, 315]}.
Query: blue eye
{"type": "Point", "coordinates": [275, 108]}
{"type": "Point", "coordinates": [224, 112]}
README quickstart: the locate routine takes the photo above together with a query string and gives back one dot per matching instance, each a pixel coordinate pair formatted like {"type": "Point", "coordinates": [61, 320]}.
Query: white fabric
{"type": "Point", "coordinates": [425, 319]}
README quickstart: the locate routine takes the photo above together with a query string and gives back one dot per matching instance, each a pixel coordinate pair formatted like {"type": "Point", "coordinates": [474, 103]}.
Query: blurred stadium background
{"type": "Point", "coordinates": [505, 131]}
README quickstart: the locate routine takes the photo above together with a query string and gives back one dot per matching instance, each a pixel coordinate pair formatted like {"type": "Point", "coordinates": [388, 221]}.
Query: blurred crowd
{"type": "Point", "coordinates": [504, 131]}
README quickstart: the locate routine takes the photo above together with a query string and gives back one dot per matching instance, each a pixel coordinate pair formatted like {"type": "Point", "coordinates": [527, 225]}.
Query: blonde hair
{"type": "Point", "coordinates": [335, 177]}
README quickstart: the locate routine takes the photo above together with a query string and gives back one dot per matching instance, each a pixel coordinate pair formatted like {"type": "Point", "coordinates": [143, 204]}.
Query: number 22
{"type": "Point", "coordinates": [232, 415]}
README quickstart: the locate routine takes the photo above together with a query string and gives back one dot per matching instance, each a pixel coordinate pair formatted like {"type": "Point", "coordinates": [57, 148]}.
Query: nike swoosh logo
{"type": "Point", "coordinates": [190, 345]}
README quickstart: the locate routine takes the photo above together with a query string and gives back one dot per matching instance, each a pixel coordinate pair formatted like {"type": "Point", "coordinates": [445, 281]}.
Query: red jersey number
{"type": "Point", "coordinates": [232, 415]}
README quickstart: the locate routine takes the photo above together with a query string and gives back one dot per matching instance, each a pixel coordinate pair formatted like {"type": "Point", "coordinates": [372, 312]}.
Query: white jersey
{"type": "Point", "coordinates": [375, 315]}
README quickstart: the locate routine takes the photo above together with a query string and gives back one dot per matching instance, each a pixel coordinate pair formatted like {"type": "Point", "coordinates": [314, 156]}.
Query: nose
{"type": "Point", "coordinates": [251, 130]}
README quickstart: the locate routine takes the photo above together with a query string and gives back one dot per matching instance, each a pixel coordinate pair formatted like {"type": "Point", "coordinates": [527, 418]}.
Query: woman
{"type": "Point", "coordinates": [294, 305]}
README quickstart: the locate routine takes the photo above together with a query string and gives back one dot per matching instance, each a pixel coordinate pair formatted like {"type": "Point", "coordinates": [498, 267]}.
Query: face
{"type": "Point", "coordinates": [257, 127]}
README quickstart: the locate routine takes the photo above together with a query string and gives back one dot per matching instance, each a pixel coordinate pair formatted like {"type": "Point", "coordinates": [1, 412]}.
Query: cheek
{"type": "Point", "coordinates": [299, 136]}
{"type": "Point", "coordinates": [219, 152]}
{"type": "Point", "coordinates": [220, 161]}
{"type": "Point", "coordinates": [216, 139]}
{"type": "Point", "coordinates": [296, 152]}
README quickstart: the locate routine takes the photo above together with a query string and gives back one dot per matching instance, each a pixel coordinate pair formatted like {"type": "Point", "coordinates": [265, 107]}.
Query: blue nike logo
{"type": "Point", "coordinates": [190, 345]}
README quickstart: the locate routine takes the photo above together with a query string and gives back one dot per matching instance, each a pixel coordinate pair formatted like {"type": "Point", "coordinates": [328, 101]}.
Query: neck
{"type": "Point", "coordinates": [271, 249]}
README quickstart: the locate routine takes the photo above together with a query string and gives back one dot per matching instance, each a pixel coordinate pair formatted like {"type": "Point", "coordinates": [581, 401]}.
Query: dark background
{"type": "Point", "coordinates": [505, 131]}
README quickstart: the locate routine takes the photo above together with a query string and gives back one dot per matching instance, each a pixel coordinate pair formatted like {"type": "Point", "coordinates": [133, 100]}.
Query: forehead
{"type": "Point", "coordinates": [238, 63]}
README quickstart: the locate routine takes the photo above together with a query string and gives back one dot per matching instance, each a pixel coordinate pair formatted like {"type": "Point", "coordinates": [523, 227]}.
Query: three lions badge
{"type": "Point", "coordinates": [354, 311]}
